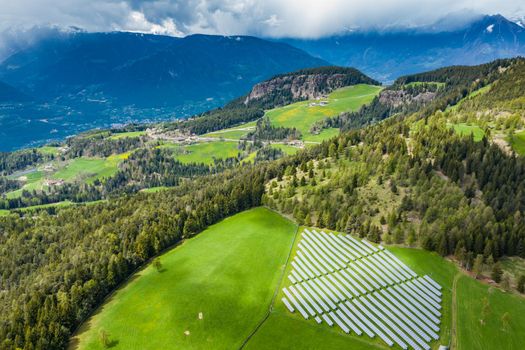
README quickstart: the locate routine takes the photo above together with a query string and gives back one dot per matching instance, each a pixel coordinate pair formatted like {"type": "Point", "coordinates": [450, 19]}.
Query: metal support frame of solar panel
{"type": "Point", "coordinates": [339, 280]}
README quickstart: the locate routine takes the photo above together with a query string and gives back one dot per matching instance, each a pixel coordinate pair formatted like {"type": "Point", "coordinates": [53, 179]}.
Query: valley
{"type": "Point", "coordinates": [187, 232]}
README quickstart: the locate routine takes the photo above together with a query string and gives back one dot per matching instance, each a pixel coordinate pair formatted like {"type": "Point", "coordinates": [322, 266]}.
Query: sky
{"type": "Point", "coordinates": [268, 18]}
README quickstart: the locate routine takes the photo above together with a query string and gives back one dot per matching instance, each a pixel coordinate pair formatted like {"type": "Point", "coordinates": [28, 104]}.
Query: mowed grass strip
{"type": "Point", "coordinates": [228, 273]}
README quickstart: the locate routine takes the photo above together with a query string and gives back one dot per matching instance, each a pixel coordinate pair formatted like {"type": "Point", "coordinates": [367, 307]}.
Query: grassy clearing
{"type": "Point", "coordinates": [492, 334]}
{"type": "Point", "coordinates": [89, 169]}
{"type": "Point", "coordinates": [419, 83]}
{"type": "Point", "coordinates": [85, 169]}
{"type": "Point", "coordinates": [287, 149]}
{"type": "Point", "coordinates": [235, 133]}
{"type": "Point", "coordinates": [518, 142]}
{"type": "Point", "coordinates": [204, 152]}
{"type": "Point", "coordinates": [155, 189]}
{"type": "Point", "coordinates": [473, 94]}
{"type": "Point", "coordinates": [49, 150]}
{"type": "Point", "coordinates": [4, 212]}
{"type": "Point", "coordinates": [122, 135]}
{"type": "Point", "coordinates": [466, 130]}
{"type": "Point", "coordinates": [229, 272]}
{"type": "Point", "coordinates": [302, 115]}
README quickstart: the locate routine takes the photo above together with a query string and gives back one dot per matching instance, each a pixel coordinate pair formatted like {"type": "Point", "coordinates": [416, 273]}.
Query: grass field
{"type": "Point", "coordinates": [518, 143]}
{"type": "Point", "coordinates": [89, 169]}
{"type": "Point", "coordinates": [85, 169]}
{"type": "Point", "coordinates": [49, 150]}
{"type": "Point", "coordinates": [287, 149]}
{"type": "Point", "coordinates": [233, 133]}
{"type": "Point", "coordinates": [302, 116]}
{"type": "Point", "coordinates": [472, 334]}
{"type": "Point", "coordinates": [466, 130]}
{"type": "Point", "coordinates": [204, 152]}
{"type": "Point", "coordinates": [229, 272]}
{"type": "Point", "coordinates": [122, 135]}
{"type": "Point", "coordinates": [209, 274]}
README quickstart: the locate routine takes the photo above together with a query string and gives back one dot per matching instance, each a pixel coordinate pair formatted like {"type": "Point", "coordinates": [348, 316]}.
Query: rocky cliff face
{"type": "Point", "coordinates": [301, 87]}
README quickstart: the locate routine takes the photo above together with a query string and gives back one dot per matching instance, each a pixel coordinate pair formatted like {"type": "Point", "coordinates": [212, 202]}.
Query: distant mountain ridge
{"type": "Point", "coordinates": [148, 70]}
{"type": "Point", "coordinates": [87, 80]}
{"type": "Point", "coordinates": [387, 55]}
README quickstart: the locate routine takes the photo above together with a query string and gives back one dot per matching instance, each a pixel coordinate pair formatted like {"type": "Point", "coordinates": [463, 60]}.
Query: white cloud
{"type": "Point", "coordinates": [275, 18]}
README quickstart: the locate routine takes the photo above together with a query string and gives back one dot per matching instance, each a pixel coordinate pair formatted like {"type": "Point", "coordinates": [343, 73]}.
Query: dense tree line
{"type": "Point", "coordinates": [18, 160]}
{"type": "Point", "coordinates": [100, 145]}
{"type": "Point", "coordinates": [264, 130]}
{"type": "Point", "coordinates": [56, 268]}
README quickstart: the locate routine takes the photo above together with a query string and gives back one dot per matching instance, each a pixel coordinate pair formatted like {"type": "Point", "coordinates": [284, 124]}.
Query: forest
{"type": "Point", "coordinates": [404, 178]}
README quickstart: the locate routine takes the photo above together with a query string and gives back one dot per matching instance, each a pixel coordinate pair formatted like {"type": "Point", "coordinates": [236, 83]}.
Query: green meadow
{"type": "Point", "coordinates": [83, 169]}
{"type": "Point", "coordinates": [518, 142]}
{"type": "Point", "coordinates": [464, 129]}
{"type": "Point", "coordinates": [231, 272]}
{"type": "Point", "coordinates": [122, 135]}
{"type": "Point", "coordinates": [302, 115]}
{"type": "Point", "coordinates": [227, 275]}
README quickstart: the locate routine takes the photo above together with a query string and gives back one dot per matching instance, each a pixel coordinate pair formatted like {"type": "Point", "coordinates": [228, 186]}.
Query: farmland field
{"type": "Point", "coordinates": [492, 333]}
{"type": "Point", "coordinates": [84, 169]}
{"type": "Point", "coordinates": [228, 273]}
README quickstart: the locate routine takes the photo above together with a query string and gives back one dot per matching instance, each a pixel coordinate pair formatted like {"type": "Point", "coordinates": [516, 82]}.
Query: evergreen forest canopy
{"type": "Point", "coordinates": [399, 172]}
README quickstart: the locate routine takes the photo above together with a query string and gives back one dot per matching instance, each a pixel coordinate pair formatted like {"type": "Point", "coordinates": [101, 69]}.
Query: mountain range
{"type": "Point", "coordinates": [387, 55]}
{"type": "Point", "coordinates": [64, 81]}
{"type": "Point", "coordinates": [80, 80]}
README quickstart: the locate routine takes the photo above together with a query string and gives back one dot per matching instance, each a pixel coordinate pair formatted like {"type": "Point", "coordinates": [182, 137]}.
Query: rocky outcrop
{"type": "Point", "coordinates": [306, 84]}
{"type": "Point", "coordinates": [301, 87]}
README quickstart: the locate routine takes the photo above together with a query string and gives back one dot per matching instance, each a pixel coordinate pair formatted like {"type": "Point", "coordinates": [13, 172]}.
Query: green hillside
{"type": "Point", "coordinates": [233, 284]}
{"type": "Point", "coordinates": [302, 115]}
{"type": "Point", "coordinates": [228, 273]}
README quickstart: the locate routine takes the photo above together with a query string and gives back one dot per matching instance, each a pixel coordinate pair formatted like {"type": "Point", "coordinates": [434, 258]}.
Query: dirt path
{"type": "Point", "coordinates": [453, 328]}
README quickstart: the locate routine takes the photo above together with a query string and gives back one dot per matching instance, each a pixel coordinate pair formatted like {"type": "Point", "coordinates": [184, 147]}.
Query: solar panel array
{"type": "Point", "coordinates": [361, 288]}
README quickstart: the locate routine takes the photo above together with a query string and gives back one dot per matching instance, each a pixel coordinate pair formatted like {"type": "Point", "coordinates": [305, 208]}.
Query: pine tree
{"type": "Point", "coordinates": [478, 266]}
{"type": "Point", "coordinates": [497, 272]}
{"type": "Point", "coordinates": [506, 281]}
